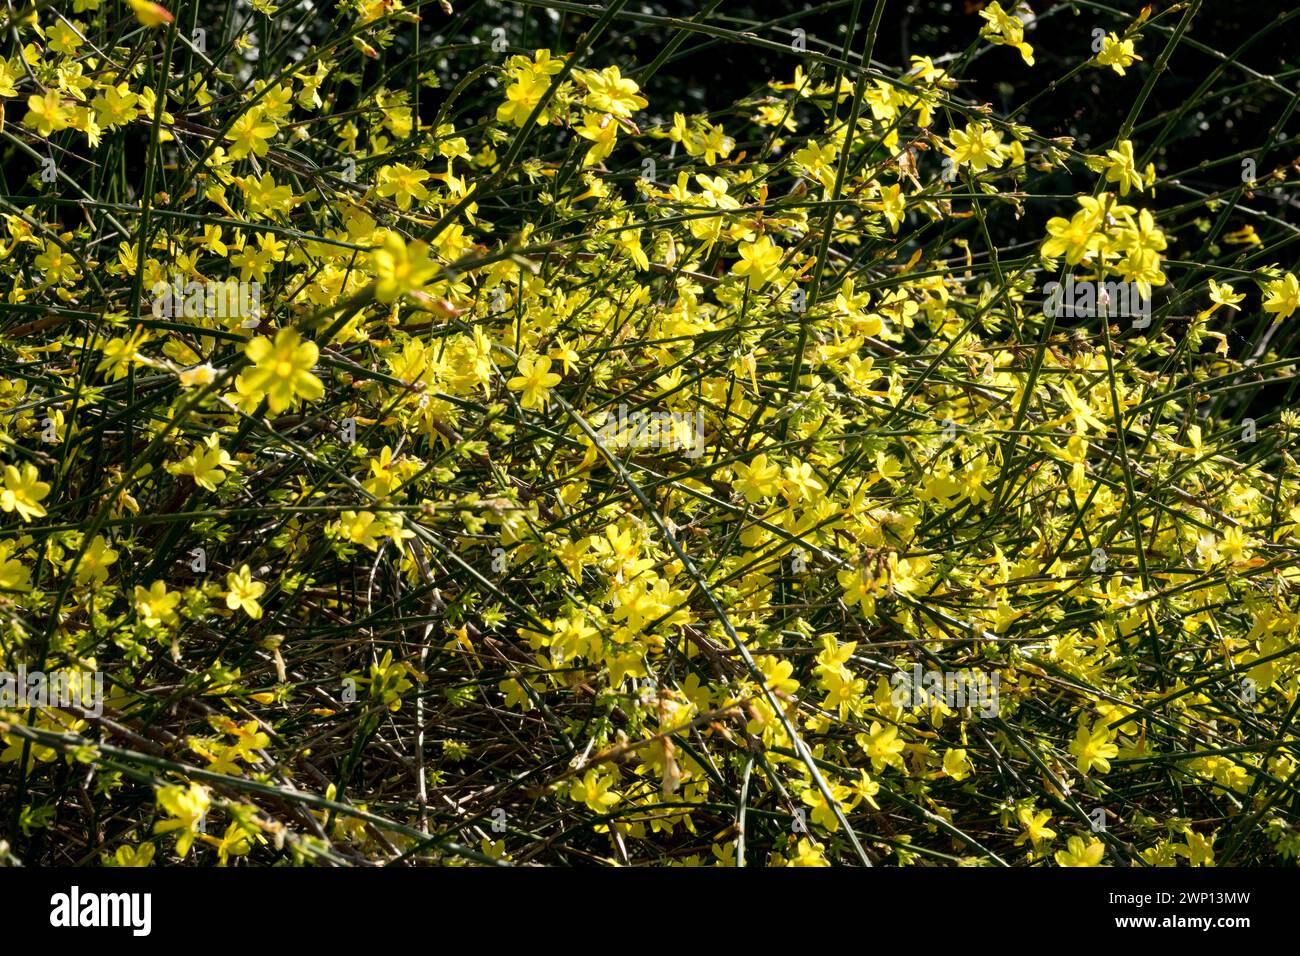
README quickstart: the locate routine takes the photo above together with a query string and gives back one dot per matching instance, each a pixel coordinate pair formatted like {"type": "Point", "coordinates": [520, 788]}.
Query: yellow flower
{"type": "Point", "coordinates": [758, 480]}
{"type": "Point", "coordinates": [96, 561]}
{"type": "Point", "coordinates": [250, 133]}
{"type": "Point", "coordinates": [1282, 297]}
{"type": "Point", "coordinates": [265, 197]}
{"type": "Point", "coordinates": [892, 204]}
{"type": "Point", "coordinates": [515, 694]}
{"type": "Point", "coordinates": [980, 145]}
{"type": "Point", "coordinates": [197, 375]}
{"type": "Point", "coordinates": [23, 491]}
{"type": "Point", "coordinates": [281, 370]}
{"type": "Point", "coordinates": [565, 354]}
{"type": "Point", "coordinates": [400, 268]}
{"type": "Point", "coordinates": [14, 575]}
{"type": "Point", "coordinates": [712, 143]}
{"type": "Point", "coordinates": [242, 592]}
{"type": "Point", "coordinates": [58, 266]}
{"type": "Point", "coordinates": [609, 92]}
{"type": "Point", "coordinates": [522, 96]}
{"type": "Point", "coordinates": [1079, 853]}
{"type": "Point", "coordinates": [121, 355]}
{"type": "Point", "coordinates": [1122, 168]}
{"type": "Point", "coordinates": [403, 183]}
{"type": "Point", "coordinates": [594, 791]}
{"type": "Point", "coordinates": [388, 681]}
{"type": "Point", "coordinates": [1093, 747]}
{"type": "Point", "coordinates": [368, 529]}
{"type": "Point", "coordinates": [859, 588]}
{"type": "Point", "coordinates": [1116, 53]}
{"type": "Point", "coordinates": [823, 814]}
{"type": "Point", "coordinates": [204, 463]}
{"type": "Point", "coordinates": [535, 380]}
{"type": "Point", "coordinates": [9, 75]}
{"type": "Point", "coordinates": [819, 161]}
{"type": "Point", "coordinates": [1078, 237]}
{"type": "Point", "coordinates": [602, 131]}
{"type": "Point", "coordinates": [156, 607]}
{"type": "Point", "coordinates": [1005, 29]}
{"type": "Point", "coordinates": [63, 39]}
{"type": "Point", "coordinates": [808, 853]}
{"type": "Point", "coordinates": [1198, 850]}
{"type": "Point", "coordinates": [187, 807]}
{"type": "Point", "coordinates": [150, 14]}
{"type": "Point", "coordinates": [882, 745]}
{"type": "Point", "coordinates": [759, 260]}
{"type": "Point", "coordinates": [1222, 295]}
{"type": "Point", "coordinates": [115, 106]}
{"type": "Point", "coordinates": [865, 789]}
{"type": "Point", "coordinates": [956, 764]}
{"type": "Point", "coordinates": [131, 856]}
{"type": "Point", "coordinates": [801, 484]}
{"type": "Point", "coordinates": [46, 113]}
{"type": "Point", "coordinates": [1036, 829]}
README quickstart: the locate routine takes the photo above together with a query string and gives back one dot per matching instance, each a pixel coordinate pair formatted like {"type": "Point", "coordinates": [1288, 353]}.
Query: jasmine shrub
{"type": "Point", "coordinates": [367, 574]}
